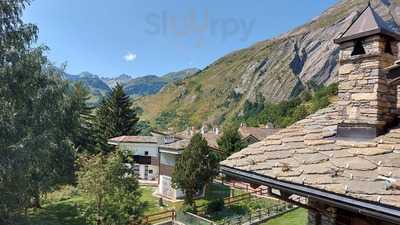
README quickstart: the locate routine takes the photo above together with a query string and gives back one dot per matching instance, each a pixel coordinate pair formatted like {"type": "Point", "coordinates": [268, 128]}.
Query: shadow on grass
{"type": "Point", "coordinates": [60, 213]}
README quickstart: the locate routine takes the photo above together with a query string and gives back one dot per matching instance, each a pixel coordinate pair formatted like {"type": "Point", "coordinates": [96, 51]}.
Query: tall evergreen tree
{"type": "Point", "coordinates": [83, 137]}
{"type": "Point", "coordinates": [115, 117]}
{"type": "Point", "coordinates": [197, 167]}
{"type": "Point", "coordinates": [123, 116]}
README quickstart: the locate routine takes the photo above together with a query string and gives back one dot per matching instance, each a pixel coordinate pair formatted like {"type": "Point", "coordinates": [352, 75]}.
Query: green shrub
{"type": "Point", "coordinates": [288, 112]}
{"type": "Point", "coordinates": [215, 206]}
{"type": "Point", "coordinates": [188, 208]}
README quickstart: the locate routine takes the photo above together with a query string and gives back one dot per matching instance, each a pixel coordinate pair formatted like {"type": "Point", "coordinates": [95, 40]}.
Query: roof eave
{"type": "Point", "coordinates": [384, 32]}
{"type": "Point", "coordinates": [113, 142]}
{"type": "Point", "coordinates": [387, 213]}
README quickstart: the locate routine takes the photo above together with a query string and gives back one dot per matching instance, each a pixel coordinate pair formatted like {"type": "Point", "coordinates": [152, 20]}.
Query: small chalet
{"type": "Point", "coordinates": [344, 159]}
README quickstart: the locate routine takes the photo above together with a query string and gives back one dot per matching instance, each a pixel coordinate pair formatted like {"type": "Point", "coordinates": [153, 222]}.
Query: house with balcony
{"type": "Point", "coordinates": [154, 159]}
{"type": "Point", "coordinates": [344, 159]}
{"type": "Point", "coordinates": [169, 154]}
{"type": "Point", "coordinates": [145, 154]}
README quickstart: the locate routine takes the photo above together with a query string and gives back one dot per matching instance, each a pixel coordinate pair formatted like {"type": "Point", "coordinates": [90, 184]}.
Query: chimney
{"type": "Point", "coordinates": [367, 102]}
{"type": "Point", "coordinates": [204, 129]}
{"type": "Point", "coordinates": [192, 131]}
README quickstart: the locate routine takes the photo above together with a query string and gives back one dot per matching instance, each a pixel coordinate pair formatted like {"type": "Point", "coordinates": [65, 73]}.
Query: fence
{"type": "Point", "coordinates": [234, 199]}
{"type": "Point", "coordinates": [260, 215]}
{"type": "Point", "coordinates": [168, 215]}
{"type": "Point", "coordinates": [192, 219]}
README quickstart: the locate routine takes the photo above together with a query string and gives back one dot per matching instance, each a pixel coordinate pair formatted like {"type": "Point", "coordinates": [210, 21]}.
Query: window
{"type": "Point", "coordinates": [358, 48]}
{"type": "Point", "coordinates": [150, 171]}
{"type": "Point", "coordinates": [146, 153]}
{"type": "Point", "coordinates": [144, 160]}
{"type": "Point", "coordinates": [388, 47]}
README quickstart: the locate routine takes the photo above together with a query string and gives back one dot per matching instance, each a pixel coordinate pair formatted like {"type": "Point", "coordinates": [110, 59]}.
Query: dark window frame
{"type": "Point", "coordinates": [358, 48]}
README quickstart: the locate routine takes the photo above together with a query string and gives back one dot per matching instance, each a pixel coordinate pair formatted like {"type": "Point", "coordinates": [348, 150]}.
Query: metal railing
{"type": "Point", "coordinates": [259, 215]}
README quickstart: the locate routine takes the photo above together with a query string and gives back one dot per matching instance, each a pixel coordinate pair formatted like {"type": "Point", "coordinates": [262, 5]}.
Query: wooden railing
{"type": "Point", "coordinates": [245, 196]}
{"type": "Point", "coordinates": [168, 215]}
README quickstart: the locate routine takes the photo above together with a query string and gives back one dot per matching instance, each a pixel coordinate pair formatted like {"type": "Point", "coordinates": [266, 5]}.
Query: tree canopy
{"type": "Point", "coordinates": [230, 141]}
{"type": "Point", "coordinates": [113, 190]}
{"type": "Point", "coordinates": [197, 167]}
{"type": "Point", "coordinates": [114, 117]}
{"type": "Point", "coordinates": [36, 117]}
{"type": "Point", "coordinates": [83, 137]}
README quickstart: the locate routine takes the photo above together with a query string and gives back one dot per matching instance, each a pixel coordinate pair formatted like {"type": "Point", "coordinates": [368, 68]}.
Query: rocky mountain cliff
{"type": "Point", "coordinates": [278, 69]}
{"type": "Point", "coordinates": [97, 87]}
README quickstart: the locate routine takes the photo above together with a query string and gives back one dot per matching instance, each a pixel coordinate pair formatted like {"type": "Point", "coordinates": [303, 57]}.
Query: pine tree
{"type": "Point", "coordinates": [197, 167]}
{"type": "Point", "coordinates": [83, 137]}
{"type": "Point", "coordinates": [114, 117]}
{"type": "Point", "coordinates": [230, 141]}
{"type": "Point", "coordinates": [123, 116]}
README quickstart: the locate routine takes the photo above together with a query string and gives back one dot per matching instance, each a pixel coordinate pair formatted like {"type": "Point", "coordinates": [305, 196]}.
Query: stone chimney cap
{"type": "Point", "coordinates": [366, 24]}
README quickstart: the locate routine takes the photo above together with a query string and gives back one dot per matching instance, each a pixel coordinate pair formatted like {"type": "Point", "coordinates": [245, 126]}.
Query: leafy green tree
{"type": "Point", "coordinates": [113, 190]}
{"type": "Point", "coordinates": [114, 117]}
{"type": "Point", "coordinates": [197, 167]}
{"type": "Point", "coordinates": [36, 118]}
{"type": "Point", "coordinates": [144, 128]}
{"type": "Point", "coordinates": [230, 141]}
{"type": "Point", "coordinates": [285, 113]}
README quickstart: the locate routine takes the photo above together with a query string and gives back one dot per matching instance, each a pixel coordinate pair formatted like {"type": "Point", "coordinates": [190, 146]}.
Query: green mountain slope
{"type": "Point", "coordinates": [277, 69]}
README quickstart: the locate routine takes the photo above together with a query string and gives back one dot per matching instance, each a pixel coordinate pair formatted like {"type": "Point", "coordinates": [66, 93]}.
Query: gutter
{"type": "Point", "coordinates": [387, 213]}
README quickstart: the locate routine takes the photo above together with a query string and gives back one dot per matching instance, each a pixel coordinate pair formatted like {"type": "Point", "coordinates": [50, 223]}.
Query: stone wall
{"type": "Point", "coordinates": [326, 215]}
{"type": "Point", "coordinates": [364, 95]}
{"type": "Point", "coordinates": [322, 215]}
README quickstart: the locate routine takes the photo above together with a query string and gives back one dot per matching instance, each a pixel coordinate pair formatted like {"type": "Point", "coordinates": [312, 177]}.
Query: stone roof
{"type": "Point", "coordinates": [366, 24]}
{"type": "Point", "coordinates": [177, 145]}
{"type": "Point", "coordinates": [210, 137]}
{"type": "Point", "coordinates": [257, 132]}
{"type": "Point", "coordinates": [134, 139]}
{"type": "Point", "coordinates": [308, 153]}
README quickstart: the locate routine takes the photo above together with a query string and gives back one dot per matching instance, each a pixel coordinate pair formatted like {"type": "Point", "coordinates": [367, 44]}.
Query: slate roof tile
{"type": "Point", "coordinates": [308, 153]}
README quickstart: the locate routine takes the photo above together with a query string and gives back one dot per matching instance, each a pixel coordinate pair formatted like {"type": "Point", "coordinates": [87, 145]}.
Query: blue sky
{"type": "Point", "coordinates": [109, 38]}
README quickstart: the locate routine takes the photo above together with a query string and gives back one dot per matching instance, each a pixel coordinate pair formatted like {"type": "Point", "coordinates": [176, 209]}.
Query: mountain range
{"type": "Point", "coordinates": [277, 69]}
{"type": "Point", "coordinates": [134, 86]}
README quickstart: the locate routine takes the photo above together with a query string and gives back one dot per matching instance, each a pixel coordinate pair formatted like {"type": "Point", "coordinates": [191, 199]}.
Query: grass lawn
{"type": "Point", "coordinates": [217, 191]}
{"type": "Point", "coordinates": [62, 207]}
{"type": "Point", "coordinates": [59, 208]}
{"type": "Point", "coordinates": [152, 204]}
{"type": "Point", "coordinates": [296, 217]}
